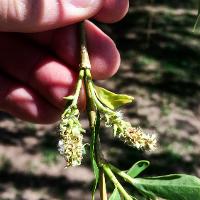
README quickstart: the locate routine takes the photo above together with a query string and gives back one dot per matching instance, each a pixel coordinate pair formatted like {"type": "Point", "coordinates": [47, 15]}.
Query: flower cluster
{"type": "Point", "coordinates": [70, 144]}
{"type": "Point", "coordinates": [130, 135]}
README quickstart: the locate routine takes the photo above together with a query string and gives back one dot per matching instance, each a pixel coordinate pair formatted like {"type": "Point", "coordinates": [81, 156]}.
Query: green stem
{"type": "Point", "coordinates": [77, 91]}
{"type": "Point", "coordinates": [117, 184]}
{"type": "Point", "coordinates": [92, 110]}
{"type": "Point", "coordinates": [85, 60]}
{"type": "Point", "coordinates": [78, 87]}
{"type": "Point", "coordinates": [125, 176]}
{"type": "Point", "coordinates": [99, 105]}
{"type": "Point", "coordinates": [85, 66]}
{"type": "Point", "coordinates": [92, 106]}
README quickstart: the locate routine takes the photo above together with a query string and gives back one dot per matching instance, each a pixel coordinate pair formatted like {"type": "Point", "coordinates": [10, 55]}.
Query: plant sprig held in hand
{"type": "Point", "coordinates": [103, 105]}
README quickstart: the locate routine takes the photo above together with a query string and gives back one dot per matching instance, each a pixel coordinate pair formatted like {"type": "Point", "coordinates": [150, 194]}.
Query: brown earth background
{"type": "Point", "coordinates": [161, 69]}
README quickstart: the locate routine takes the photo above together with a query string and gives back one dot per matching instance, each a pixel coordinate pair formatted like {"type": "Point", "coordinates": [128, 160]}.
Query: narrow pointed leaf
{"type": "Point", "coordinates": [69, 98]}
{"type": "Point", "coordinates": [112, 100]}
{"type": "Point", "coordinates": [197, 24]}
{"type": "Point", "coordinates": [170, 187]}
{"type": "Point", "coordinates": [137, 168]}
{"type": "Point", "coordinates": [92, 155]}
{"type": "Point", "coordinates": [96, 174]}
{"type": "Point", "coordinates": [115, 195]}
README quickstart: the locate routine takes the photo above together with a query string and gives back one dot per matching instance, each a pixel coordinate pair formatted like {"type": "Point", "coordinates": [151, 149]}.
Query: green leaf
{"type": "Point", "coordinates": [137, 168]}
{"type": "Point", "coordinates": [197, 24]}
{"type": "Point", "coordinates": [170, 187]}
{"type": "Point", "coordinates": [92, 154]}
{"type": "Point", "coordinates": [69, 98]}
{"type": "Point", "coordinates": [96, 174]}
{"type": "Point", "coordinates": [112, 100]}
{"type": "Point", "coordinates": [115, 195]}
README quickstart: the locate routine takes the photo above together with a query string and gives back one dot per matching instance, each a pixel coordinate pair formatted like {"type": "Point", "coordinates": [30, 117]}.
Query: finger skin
{"type": "Point", "coordinates": [51, 78]}
{"type": "Point", "coordinates": [104, 56]}
{"type": "Point", "coordinates": [24, 103]}
{"type": "Point", "coordinates": [37, 69]}
{"type": "Point", "coordinates": [41, 15]}
{"type": "Point", "coordinates": [48, 83]}
{"type": "Point", "coordinates": [112, 11]}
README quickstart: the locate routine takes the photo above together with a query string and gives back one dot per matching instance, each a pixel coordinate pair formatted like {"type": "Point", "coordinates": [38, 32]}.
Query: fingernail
{"type": "Point", "coordinates": [81, 3]}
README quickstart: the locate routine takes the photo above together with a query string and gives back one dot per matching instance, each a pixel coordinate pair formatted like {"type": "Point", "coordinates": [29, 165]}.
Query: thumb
{"type": "Point", "coordinates": [41, 15]}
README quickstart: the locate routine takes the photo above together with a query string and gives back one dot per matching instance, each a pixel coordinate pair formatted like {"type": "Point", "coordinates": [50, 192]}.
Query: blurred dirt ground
{"type": "Point", "coordinates": [161, 69]}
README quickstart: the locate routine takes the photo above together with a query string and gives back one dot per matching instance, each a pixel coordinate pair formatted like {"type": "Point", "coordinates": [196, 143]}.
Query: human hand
{"type": "Point", "coordinates": [39, 52]}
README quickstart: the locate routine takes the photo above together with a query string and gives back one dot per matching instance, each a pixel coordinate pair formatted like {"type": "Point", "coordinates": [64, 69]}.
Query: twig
{"type": "Point", "coordinates": [102, 185]}
{"type": "Point", "coordinates": [91, 108]}
{"type": "Point", "coordinates": [116, 182]}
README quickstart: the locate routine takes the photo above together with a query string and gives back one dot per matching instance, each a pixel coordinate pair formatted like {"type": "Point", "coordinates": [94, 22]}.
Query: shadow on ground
{"type": "Point", "coordinates": [161, 68]}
